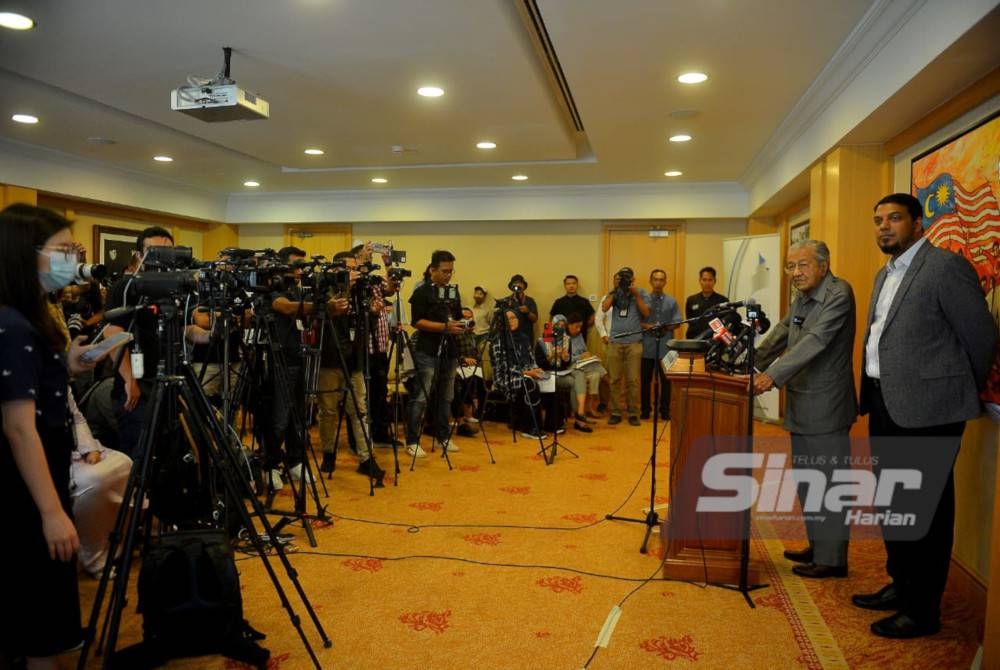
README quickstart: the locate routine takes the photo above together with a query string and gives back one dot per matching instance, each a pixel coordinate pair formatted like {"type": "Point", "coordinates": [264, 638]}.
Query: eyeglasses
{"type": "Point", "coordinates": [67, 252]}
{"type": "Point", "coordinates": [802, 266]}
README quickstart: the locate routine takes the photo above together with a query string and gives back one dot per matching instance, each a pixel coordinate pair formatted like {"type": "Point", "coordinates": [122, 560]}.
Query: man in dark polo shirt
{"type": "Point", "coordinates": [574, 303]}
{"type": "Point", "coordinates": [701, 302]}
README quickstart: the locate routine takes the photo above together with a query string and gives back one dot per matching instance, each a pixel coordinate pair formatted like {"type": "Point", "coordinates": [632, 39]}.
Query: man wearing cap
{"type": "Point", "coordinates": [527, 310]}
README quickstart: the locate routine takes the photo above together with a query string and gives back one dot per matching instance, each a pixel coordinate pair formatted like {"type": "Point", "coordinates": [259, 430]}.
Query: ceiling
{"type": "Point", "coordinates": [573, 92]}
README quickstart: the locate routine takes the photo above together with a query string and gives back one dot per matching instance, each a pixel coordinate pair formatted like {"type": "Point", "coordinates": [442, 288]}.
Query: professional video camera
{"type": "Point", "coordinates": [398, 274]}
{"type": "Point", "coordinates": [328, 277]}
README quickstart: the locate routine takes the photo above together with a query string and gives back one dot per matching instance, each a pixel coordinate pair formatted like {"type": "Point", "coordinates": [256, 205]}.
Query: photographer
{"type": "Point", "coordinates": [527, 310]}
{"type": "Point", "coordinates": [130, 392]}
{"type": "Point", "coordinates": [435, 311]}
{"type": "Point", "coordinates": [341, 357]}
{"type": "Point", "coordinates": [289, 310]}
{"type": "Point", "coordinates": [628, 307]}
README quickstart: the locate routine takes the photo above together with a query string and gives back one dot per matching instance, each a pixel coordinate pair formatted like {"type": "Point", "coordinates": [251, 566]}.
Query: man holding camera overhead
{"type": "Point", "coordinates": [435, 311]}
{"type": "Point", "coordinates": [628, 307]}
{"type": "Point", "coordinates": [527, 310]}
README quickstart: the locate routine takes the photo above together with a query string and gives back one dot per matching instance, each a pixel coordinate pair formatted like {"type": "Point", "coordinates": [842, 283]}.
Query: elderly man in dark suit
{"type": "Point", "coordinates": [928, 347]}
{"type": "Point", "coordinates": [815, 343]}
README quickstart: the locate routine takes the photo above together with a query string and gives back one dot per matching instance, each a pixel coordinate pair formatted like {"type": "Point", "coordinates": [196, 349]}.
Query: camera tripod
{"type": "Point", "coordinates": [263, 365]}
{"type": "Point", "coordinates": [184, 456]}
{"type": "Point", "coordinates": [557, 406]}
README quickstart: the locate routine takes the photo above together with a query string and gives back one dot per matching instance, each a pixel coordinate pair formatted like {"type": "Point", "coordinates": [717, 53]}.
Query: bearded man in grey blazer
{"type": "Point", "coordinates": [815, 342]}
{"type": "Point", "coordinates": [928, 347]}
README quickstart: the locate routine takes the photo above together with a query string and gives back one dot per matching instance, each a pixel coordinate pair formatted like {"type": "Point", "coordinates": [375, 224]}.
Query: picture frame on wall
{"type": "Point", "coordinates": [114, 247]}
{"type": "Point", "coordinates": [798, 232]}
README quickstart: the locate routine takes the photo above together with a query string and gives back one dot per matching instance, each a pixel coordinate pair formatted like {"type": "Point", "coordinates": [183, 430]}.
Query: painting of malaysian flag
{"type": "Point", "coordinates": [958, 184]}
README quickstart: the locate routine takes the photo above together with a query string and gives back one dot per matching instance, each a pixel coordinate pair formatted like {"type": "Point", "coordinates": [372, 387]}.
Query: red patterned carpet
{"type": "Point", "coordinates": [512, 565]}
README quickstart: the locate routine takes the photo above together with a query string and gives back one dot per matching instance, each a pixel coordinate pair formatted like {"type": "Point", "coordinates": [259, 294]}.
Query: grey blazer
{"type": "Point", "coordinates": [816, 367]}
{"type": "Point", "coordinates": [937, 344]}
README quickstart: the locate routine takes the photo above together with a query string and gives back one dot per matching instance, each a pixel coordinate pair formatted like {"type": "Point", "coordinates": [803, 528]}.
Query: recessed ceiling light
{"type": "Point", "coordinates": [15, 21]}
{"type": "Point", "coordinates": [486, 145]}
{"type": "Point", "coordinates": [314, 152]}
{"type": "Point", "coordinates": [430, 91]}
{"type": "Point", "coordinates": [24, 118]}
{"type": "Point", "coordinates": [251, 183]}
{"type": "Point", "coordinates": [672, 173]}
{"type": "Point", "coordinates": [163, 159]}
{"type": "Point", "coordinates": [520, 177]}
{"type": "Point", "coordinates": [680, 138]}
{"type": "Point", "coordinates": [692, 78]}
{"type": "Point", "coordinates": [379, 180]}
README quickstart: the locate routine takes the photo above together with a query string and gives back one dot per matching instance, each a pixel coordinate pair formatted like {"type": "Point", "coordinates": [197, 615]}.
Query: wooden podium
{"type": "Point", "coordinates": [703, 404]}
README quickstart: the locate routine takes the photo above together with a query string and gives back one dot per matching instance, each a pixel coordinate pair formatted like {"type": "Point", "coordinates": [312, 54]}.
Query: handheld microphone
{"type": "Point", "coordinates": [720, 333]}
{"type": "Point", "coordinates": [735, 303]}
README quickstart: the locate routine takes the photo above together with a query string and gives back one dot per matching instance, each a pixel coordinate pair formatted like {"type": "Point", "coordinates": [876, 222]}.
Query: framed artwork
{"type": "Point", "coordinates": [114, 247]}
{"type": "Point", "coordinates": [798, 232]}
{"type": "Point", "coordinates": [958, 184]}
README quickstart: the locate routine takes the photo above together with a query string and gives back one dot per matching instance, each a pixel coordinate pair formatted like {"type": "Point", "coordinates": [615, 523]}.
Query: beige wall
{"type": "Point", "coordinates": [703, 246]}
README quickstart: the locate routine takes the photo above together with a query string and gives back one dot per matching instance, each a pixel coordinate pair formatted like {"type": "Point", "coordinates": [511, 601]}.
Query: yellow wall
{"type": "Point", "coordinates": [10, 195]}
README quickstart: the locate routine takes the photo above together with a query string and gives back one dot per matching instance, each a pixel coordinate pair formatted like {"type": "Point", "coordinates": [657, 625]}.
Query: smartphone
{"type": "Point", "coordinates": [106, 345]}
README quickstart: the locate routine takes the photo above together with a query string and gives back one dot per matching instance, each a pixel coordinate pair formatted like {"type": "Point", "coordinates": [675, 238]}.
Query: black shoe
{"type": "Point", "coordinates": [582, 427]}
{"type": "Point", "coordinates": [634, 421]}
{"type": "Point", "coordinates": [885, 599]}
{"type": "Point", "coordinates": [614, 419]}
{"type": "Point", "coordinates": [328, 465]}
{"type": "Point", "coordinates": [582, 418]}
{"type": "Point", "coordinates": [369, 468]}
{"type": "Point", "coordinates": [804, 556]}
{"type": "Point", "coordinates": [602, 407]}
{"type": "Point", "coordinates": [815, 571]}
{"type": "Point", "coordinates": [644, 415]}
{"type": "Point", "coordinates": [465, 430]}
{"type": "Point", "coordinates": [903, 627]}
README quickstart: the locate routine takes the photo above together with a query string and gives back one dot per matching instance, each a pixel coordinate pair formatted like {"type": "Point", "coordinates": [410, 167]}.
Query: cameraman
{"type": "Point", "coordinates": [380, 288]}
{"type": "Point", "coordinates": [628, 307]}
{"type": "Point", "coordinates": [289, 310]}
{"type": "Point", "coordinates": [130, 394]}
{"type": "Point", "coordinates": [527, 310]}
{"type": "Point", "coordinates": [435, 311]}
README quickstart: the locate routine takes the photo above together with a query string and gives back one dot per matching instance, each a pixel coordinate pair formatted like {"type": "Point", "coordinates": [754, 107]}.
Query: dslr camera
{"type": "Point", "coordinates": [625, 278]}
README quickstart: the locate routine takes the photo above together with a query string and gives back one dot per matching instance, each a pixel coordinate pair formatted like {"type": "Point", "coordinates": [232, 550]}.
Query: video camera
{"type": "Point", "coordinates": [625, 278]}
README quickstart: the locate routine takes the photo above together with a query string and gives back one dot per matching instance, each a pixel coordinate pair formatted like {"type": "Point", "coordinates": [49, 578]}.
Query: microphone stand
{"type": "Point", "coordinates": [753, 314]}
{"type": "Point", "coordinates": [652, 519]}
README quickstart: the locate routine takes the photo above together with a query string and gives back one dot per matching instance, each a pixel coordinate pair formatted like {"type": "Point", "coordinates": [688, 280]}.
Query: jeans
{"type": "Point", "coordinates": [434, 378]}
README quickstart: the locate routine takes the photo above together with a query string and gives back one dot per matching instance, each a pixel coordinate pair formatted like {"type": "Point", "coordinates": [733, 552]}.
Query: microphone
{"type": "Point", "coordinates": [692, 346]}
{"type": "Point", "coordinates": [720, 332]}
{"type": "Point", "coordinates": [735, 303]}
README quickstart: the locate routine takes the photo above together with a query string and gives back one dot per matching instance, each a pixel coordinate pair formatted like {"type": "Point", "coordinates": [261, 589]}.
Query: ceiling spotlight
{"type": "Point", "coordinates": [251, 183]}
{"type": "Point", "coordinates": [314, 152]}
{"type": "Point", "coordinates": [379, 180]}
{"type": "Point", "coordinates": [692, 78]}
{"type": "Point", "coordinates": [520, 177]}
{"type": "Point", "coordinates": [680, 138]}
{"type": "Point", "coordinates": [15, 21]}
{"type": "Point", "coordinates": [24, 118]}
{"type": "Point", "coordinates": [486, 145]}
{"type": "Point", "coordinates": [163, 159]}
{"type": "Point", "coordinates": [672, 173]}
{"type": "Point", "coordinates": [430, 91]}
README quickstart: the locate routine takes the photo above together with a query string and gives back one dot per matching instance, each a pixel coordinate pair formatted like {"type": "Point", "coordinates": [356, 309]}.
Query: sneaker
{"type": "Point", "coordinates": [446, 446]}
{"type": "Point", "coordinates": [634, 421]}
{"type": "Point", "coordinates": [534, 436]}
{"type": "Point", "coordinates": [295, 472]}
{"type": "Point", "coordinates": [615, 419]}
{"type": "Point", "coordinates": [276, 482]}
{"type": "Point", "coordinates": [560, 430]}
{"type": "Point", "coordinates": [416, 450]}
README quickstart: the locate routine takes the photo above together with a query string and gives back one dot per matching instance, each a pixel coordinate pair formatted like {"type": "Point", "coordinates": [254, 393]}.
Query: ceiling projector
{"type": "Point", "coordinates": [222, 102]}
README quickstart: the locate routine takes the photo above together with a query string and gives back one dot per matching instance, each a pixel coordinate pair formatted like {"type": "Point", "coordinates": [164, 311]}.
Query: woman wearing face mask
{"type": "Point", "coordinates": [37, 256]}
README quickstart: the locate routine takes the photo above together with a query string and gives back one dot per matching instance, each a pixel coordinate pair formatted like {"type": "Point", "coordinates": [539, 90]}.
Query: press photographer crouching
{"type": "Point", "coordinates": [137, 369]}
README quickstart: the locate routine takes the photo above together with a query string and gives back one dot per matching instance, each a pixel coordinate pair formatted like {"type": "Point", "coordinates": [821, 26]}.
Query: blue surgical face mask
{"type": "Point", "coordinates": [62, 270]}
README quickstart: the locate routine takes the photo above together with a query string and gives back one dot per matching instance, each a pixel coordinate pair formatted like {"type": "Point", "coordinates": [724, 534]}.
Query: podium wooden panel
{"type": "Point", "coordinates": [702, 403]}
